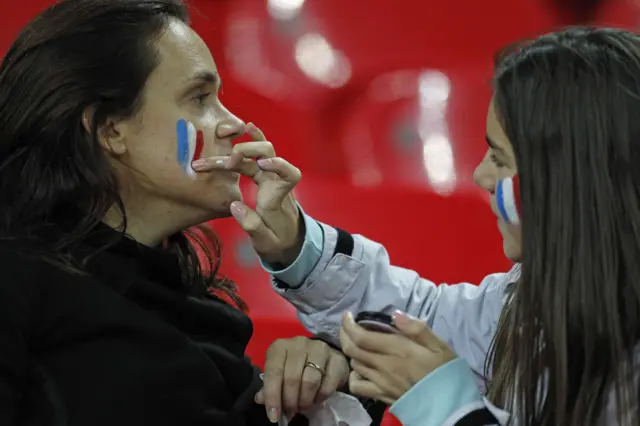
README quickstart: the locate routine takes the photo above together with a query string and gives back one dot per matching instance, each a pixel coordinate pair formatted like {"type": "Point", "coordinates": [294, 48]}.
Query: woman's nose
{"type": "Point", "coordinates": [230, 129]}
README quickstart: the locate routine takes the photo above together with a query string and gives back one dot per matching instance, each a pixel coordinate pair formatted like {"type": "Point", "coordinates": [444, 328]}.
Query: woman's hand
{"type": "Point", "coordinates": [298, 373]}
{"type": "Point", "coordinates": [386, 366]}
{"type": "Point", "coordinates": [275, 227]}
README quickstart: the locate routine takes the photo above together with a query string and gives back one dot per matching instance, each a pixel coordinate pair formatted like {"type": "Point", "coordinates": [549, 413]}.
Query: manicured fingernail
{"type": "Point", "coordinates": [237, 210]}
{"type": "Point", "coordinates": [348, 316]}
{"type": "Point", "coordinates": [404, 314]}
{"type": "Point", "coordinates": [272, 414]}
{"type": "Point", "coordinates": [264, 162]}
{"type": "Point", "coordinates": [198, 164]}
{"type": "Point", "coordinates": [226, 130]}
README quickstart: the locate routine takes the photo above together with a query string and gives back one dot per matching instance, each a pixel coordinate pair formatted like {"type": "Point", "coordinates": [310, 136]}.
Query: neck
{"type": "Point", "coordinates": [149, 222]}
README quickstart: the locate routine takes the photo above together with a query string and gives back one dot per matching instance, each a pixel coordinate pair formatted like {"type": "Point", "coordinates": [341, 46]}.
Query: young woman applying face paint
{"type": "Point", "coordinates": [556, 340]}
{"type": "Point", "coordinates": [107, 314]}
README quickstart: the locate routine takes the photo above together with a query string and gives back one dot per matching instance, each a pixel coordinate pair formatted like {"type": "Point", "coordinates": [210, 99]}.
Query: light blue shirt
{"type": "Point", "coordinates": [431, 401]}
{"type": "Point", "coordinates": [295, 274]}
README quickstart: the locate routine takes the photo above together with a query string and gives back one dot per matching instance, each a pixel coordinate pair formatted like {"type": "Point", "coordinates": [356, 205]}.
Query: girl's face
{"type": "Point", "coordinates": [157, 192]}
{"type": "Point", "coordinates": [499, 163]}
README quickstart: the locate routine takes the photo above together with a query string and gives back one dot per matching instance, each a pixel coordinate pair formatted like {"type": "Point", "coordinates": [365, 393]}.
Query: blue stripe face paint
{"type": "Point", "coordinates": [500, 202]}
{"type": "Point", "coordinates": [182, 131]}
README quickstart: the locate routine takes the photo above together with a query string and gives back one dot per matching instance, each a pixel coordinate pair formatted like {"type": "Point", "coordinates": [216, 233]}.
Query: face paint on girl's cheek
{"type": "Point", "coordinates": [190, 145]}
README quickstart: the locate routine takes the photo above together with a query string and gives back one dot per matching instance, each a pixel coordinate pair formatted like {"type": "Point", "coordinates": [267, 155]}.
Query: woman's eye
{"type": "Point", "coordinates": [201, 98]}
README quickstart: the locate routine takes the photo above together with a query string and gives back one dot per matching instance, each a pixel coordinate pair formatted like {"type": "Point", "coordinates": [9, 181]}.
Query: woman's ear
{"type": "Point", "coordinates": [110, 134]}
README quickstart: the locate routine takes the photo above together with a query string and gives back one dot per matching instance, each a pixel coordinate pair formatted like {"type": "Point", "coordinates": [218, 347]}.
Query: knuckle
{"type": "Point", "coordinates": [276, 346]}
{"type": "Point", "coordinates": [296, 175]}
{"type": "Point", "coordinates": [252, 224]}
{"type": "Point", "coordinates": [309, 382]}
{"type": "Point", "coordinates": [278, 343]}
{"type": "Point", "coordinates": [269, 147]}
{"type": "Point", "coordinates": [300, 342]}
{"type": "Point", "coordinates": [273, 371]}
{"type": "Point", "coordinates": [318, 345]}
{"type": "Point", "coordinates": [291, 381]}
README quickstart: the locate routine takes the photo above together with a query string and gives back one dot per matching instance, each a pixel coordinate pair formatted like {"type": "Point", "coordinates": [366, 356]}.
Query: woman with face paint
{"type": "Point", "coordinates": [111, 308]}
{"type": "Point", "coordinates": [554, 341]}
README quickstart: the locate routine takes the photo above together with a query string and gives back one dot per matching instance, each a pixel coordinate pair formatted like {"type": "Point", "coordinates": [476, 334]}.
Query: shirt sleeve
{"type": "Point", "coordinates": [296, 273]}
{"type": "Point", "coordinates": [447, 397]}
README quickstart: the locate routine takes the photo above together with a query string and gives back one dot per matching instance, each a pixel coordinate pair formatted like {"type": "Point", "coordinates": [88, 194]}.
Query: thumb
{"type": "Point", "coordinates": [262, 238]}
{"type": "Point", "coordinates": [417, 330]}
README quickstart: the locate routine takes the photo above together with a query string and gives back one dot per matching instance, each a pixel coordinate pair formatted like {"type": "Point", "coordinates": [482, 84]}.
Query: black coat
{"type": "Point", "coordinates": [119, 346]}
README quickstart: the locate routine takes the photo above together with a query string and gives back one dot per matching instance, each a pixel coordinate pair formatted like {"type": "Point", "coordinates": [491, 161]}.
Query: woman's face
{"type": "Point", "coordinates": [185, 85]}
{"type": "Point", "coordinates": [499, 163]}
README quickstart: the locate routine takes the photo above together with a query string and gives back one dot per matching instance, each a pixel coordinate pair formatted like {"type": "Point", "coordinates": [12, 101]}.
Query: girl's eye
{"type": "Point", "coordinates": [495, 161]}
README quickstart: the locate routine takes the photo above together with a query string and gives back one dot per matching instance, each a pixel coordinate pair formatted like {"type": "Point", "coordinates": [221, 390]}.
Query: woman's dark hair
{"type": "Point", "coordinates": [563, 354]}
{"type": "Point", "coordinates": [77, 56]}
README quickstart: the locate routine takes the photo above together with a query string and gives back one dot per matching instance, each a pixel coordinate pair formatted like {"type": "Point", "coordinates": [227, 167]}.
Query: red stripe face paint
{"type": "Point", "coordinates": [199, 145]}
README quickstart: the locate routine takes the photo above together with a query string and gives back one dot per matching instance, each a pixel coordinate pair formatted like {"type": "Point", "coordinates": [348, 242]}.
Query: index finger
{"type": "Point", "coordinates": [255, 133]}
{"type": "Point", "coordinates": [371, 341]}
{"type": "Point", "coordinates": [273, 379]}
{"type": "Point", "coordinates": [417, 330]}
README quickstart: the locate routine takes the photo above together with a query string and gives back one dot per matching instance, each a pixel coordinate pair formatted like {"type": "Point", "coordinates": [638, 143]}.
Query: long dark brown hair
{"type": "Point", "coordinates": [563, 354]}
{"type": "Point", "coordinates": [81, 55]}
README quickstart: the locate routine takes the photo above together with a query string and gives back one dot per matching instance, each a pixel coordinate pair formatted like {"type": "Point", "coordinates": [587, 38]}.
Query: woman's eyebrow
{"type": "Point", "coordinates": [205, 77]}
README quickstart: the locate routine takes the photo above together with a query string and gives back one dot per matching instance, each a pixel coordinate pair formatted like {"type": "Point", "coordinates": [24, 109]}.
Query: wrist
{"type": "Point", "coordinates": [289, 255]}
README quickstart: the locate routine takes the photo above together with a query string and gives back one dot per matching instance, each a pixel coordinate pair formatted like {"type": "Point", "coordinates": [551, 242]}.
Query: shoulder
{"type": "Point", "coordinates": [21, 269]}
{"type": "Point", "coordinates": [19, 257]}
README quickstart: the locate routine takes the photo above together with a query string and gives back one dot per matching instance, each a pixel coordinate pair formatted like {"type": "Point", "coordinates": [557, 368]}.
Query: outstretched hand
{"type": "Point", "coordinates": [275, 227]}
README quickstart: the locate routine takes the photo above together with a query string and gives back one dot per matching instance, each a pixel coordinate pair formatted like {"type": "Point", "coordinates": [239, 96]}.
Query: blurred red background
{"type": "Point", "coordinates": [382, 105]}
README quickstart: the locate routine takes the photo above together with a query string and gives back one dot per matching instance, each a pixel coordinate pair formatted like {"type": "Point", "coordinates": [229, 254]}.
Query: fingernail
{"type": "Point", "coordinates": [198, 164]}
{"type": "Point", "coordinates": [237, 210]}
{"type": "Point", "coordinates": [272, 414]}
{"type": "Point", "coordinates": [251, 127]}
{"type": "Point", "coordinates": [225, 130]}
{"type": "Point", "coordinates": [348, 316]}
{"type": "Point", "coordinates": [404, 314]}
{"type": "Point", "coordinates": [264, 162]}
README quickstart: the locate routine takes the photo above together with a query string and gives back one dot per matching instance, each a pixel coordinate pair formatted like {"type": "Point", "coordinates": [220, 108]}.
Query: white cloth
{"type": "Point", "coordinates": [339, 410]}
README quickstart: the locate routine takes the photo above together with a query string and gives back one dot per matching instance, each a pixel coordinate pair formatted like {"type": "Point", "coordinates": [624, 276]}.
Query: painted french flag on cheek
{"type": "Point", "coordinates": [190, 144]}
{"type": "Point", "coordinates": [508, 199]}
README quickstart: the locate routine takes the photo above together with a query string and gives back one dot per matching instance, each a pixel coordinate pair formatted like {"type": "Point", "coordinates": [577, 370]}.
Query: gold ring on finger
{"type": "Point", "coordinates": [315, 367]}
